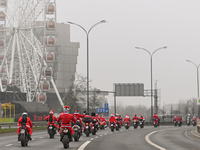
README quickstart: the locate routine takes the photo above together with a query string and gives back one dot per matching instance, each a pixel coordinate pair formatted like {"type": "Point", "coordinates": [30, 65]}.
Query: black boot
{"type": "Point", "coordinates": [19, 138]}
{"type": "Point", "coordinates": [70, 138]}
{"type": "Point", "coordinates": [29, 136]}
{"type": "Point", "coordinates": [61, 138]}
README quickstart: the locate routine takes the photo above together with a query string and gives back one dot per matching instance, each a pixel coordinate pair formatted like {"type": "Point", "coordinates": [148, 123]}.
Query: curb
{"type": "Point", "coordinates": [195, 133]}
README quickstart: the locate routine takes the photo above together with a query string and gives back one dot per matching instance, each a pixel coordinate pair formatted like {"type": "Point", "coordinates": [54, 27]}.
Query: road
{"type": "Point", "coordinates": [149, 138]}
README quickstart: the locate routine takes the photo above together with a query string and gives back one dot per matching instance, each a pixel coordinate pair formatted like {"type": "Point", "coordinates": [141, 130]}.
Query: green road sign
{"type": "Point", "coordinates": [199, 100]}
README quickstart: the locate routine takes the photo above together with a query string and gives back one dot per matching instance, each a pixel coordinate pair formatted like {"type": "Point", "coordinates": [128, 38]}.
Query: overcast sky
{"type": "Point", "coordinates": [144, 23]}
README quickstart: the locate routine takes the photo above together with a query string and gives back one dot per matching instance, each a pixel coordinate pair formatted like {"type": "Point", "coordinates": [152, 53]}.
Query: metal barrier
{"type": "Point", "coordinates": [198, 125]}
{"type": "Point", "coordinates": [14, 124]}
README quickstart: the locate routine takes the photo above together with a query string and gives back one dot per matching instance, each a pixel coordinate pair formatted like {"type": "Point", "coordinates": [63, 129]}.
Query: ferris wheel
{"type": "Point", "coordinates": [27, 41]}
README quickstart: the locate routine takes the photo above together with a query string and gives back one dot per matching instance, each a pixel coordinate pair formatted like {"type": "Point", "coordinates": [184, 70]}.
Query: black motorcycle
{"type": "Point", "coordinates": [194, 122]}
{"type": "Point", "coordinates": [154, 122]}
{"type": "Point", "coordinates": [188, 122]}
{"type": "Point", "coordinates": [51, 131]}
{"type": "Point", "coordinates": [112, 126]}
{"type": "Point", "coordinates": [95, 126]}
{"type": "Point", "coordinates": [77, 130]}
{"type": "Point", "coordinates": [126, 125]}
{"type": "Point", "coordinates": [135, 124]}
{"type": "Point", "coordinates": [87, 129]}
{"type": "Point", "coordinates": [24, 136]}
{"type": "Point", "coordinates": [141, 123]}
{"type": "Point", "coordinates": [175, 122]}
{"type": "Point", "coordinates": [65, 137]}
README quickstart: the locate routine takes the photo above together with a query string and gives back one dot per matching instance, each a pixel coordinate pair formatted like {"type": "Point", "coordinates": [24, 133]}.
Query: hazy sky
{"type": "Point", "coordinates": [144, 23]}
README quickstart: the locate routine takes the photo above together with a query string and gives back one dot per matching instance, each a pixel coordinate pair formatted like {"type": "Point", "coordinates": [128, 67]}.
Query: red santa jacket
{"type": "Point", "coordinates": [66, 118]}
{"type": "Point", "coordinates": [53, 119]}
{"type": "Point", "coordinates": [28, 122]}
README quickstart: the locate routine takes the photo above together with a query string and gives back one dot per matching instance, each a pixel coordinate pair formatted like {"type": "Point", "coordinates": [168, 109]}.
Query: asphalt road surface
{"type": "Point", "coordinates": [148, 138]}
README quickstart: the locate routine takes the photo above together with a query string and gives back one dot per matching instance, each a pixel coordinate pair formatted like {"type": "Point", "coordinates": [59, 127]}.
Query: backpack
{"type": "Point", "coordinates": [51, 118]}
{"type": "Point", "coordinates": [24, 120]}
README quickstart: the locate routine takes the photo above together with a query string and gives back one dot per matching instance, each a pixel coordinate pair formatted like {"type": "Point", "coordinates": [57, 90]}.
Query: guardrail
{"type": "Point", "coordinates": [14, 124]}
{"type": "Point", "coordinates": [198, 125]}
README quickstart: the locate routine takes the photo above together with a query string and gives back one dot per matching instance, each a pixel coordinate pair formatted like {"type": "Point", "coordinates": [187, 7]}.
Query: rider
{"type": "Point", "coordinates": [194, 119]}
{"type": "Point", "coordinates": [112, 119]}
{"type": "Point", "coordinates": [78, 117]}
{"type": "Point", "coordinates": [175, 118]}
{"type": "Point", "coordinates": [121, 120]}
{"type": "Point", "coordinates": [135, 117]}
{"type": "Point", "coordinates": [127, 119]}
{"type": "Point", "coordinates": [25, 120]}
{"type": "Point", "coordinates": [51, 119]}
{"type": "Point", "coordinates": [90, 122]}
{"type": "Point", "coordinates": [103, 120]}
{"type": "Point", "coordinates": [141, 118]}
{"type": "Point", "coordinates": [155, 116]}
{"type": "Point", "coordinates": [66, 118]}
{"type": "Point", "coordinates": [118, 119]}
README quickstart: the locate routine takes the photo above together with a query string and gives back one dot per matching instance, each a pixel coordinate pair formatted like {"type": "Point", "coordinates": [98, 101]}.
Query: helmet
{"type": "Point", "coordinates": [127, 116]}
{"type": "Point", "coordinates": [135, 114]}
{"type": "Point", "coordinates": [174, 116]}
{"type": "Point", "coordinates": [24, 114]}
{"type": "Point", "coordinates": [194, 117]}
{"type": "Point", "coordinates": [51, 112]}
{"type": "Point", "coordinates": [97, 115]}
{"type": "Point", "coordinates": [76, 111]}
{"type": "Point", "coordinates": [117, 114]}
{"type": "Point", "coordinates": [112, 115]}
{"type": "Point", "coordinates": [66, 109]}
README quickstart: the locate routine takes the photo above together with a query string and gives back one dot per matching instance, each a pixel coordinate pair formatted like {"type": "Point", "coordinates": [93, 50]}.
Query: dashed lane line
{"type": "Point", "coordinates": [92, 139]}
{"type": "Point", "coordinates": [8, 145]}
{"type": "Point", "coordinates": [84, 145]}
{"type": "Point", "coordinates": [151, 143]}
{"type": "Point", "coordinates": [96, 137]}
{"type": "Point", "coordinates": [101, 135]}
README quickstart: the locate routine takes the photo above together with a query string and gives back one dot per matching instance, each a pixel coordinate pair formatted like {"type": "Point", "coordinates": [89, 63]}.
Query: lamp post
{"type": "Point", "coordinates": [198, 106]}
{"type": "Point", "coordinates": [87, 34]}
{"type": "Point", "coordinates": [151, 56]}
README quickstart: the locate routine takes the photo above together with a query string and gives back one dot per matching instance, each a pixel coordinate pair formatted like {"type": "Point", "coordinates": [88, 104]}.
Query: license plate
{"type": "Point", "coordinates": [111, 124]}
{"type": "Point", "coordinates": [140, 122]}
{"type": "Point", "coordinates": [50, 127]}
{"type": "Point", "coordinates": [75, 129]}
{"type": "Point", "coordinates": [125, 124]}
{"type": "Point", "coordinates": [86, 127]}
{"type": "Point", "coordinates": [22, 131]}
{"type": "Point", "coordinates": [65, 131]}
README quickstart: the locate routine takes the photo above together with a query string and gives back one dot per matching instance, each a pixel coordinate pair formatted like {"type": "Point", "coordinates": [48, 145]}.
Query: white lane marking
{"type": "Point", "coordinates": [8, 145]}
{"type": "Point", "coordinates": [41, 137]}
{"type": "Point", "coordinates": [101, 135]}
{"type": "Point", "coordinates": [111, 133]}
{"type": "Point", "coordinates": [105, 134]}
{"type": "Point", "coordinates": [84, 145]}
{"type": "Point", "coordinates": [96, 137]}
{"type": "Point", "coordinates": [92, 139]}
{"type": "Point", "coordinates": [153, 144]}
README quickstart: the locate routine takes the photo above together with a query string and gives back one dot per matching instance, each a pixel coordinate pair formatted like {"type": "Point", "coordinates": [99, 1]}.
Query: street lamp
{"type": "Point", "coordinates": [151, 55]}
{"type": "Point", "coordinates": [198, 109]}
{"type": "Point", "coordinates": [87, 34]}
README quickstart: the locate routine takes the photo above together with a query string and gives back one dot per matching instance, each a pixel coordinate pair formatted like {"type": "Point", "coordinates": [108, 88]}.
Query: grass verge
{"type": "Point", "coordinates": [15, 129]}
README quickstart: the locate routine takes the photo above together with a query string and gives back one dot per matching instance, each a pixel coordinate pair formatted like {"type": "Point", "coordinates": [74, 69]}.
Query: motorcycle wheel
{"type": "Point", "coordinates": [76, 138]}
{"type": "Point", "coordinates": [93, 132]}
{"type": "Point", "coordinates": [112, 129]}
{"type": "Point", "coordinates": [51, 134]}
{"type": "Point", "coordinates": [87, 132]}
{"type": "Point", "coordinates": [65, 141]}
{"type": "Point", "coordinates": [23, 140]}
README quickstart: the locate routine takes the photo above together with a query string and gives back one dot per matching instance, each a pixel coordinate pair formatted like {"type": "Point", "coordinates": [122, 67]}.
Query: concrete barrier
{"type": "Point", "coordinates": [198, 125]}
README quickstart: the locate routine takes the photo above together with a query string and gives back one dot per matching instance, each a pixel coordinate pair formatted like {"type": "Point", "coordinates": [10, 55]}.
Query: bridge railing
{"type": "Point", "coordinates": [14, 124]}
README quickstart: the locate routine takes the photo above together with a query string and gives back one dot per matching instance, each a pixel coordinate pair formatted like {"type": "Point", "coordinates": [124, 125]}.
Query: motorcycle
{"type": "Point", "coordinates": [194, 123]}
{"type": "Point", "coordinates": [126, 125]}
{"type": "Point", "coordinates": [179, 123]}
{"type": "Point", "coordinates": [135, 124]}
{"type": "Point", "coordinates": [154, 123]}
{"type": "Point", "coordinates": [101, 126]}
{"type": "Point", "coordinates": [188, 122]}
{"type": "Point", "coordinates": [117, 126]}
{"type": "Point", "coordinates": [141, 123]}
{"type": "Point", "coordinates": [77, 130]}
{"type": "Point", "coordinates": [175, 122]}
{"type": "Point", "coordinates": [51, 130]}
{"type": "Point", "coordinates": [112, 126]}
{"type": "Point", "coordinates": [24, 136]}
{"type": "Point", "coordinates": [87, 129]}
{"type": "Point", "coordinates": [95, 126]}
{"type": "Point", "coordinates": [65, 136]}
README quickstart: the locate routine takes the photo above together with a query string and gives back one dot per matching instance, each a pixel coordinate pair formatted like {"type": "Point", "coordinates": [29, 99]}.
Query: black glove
{"type": "Point", "coordinates": [84, 112]}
